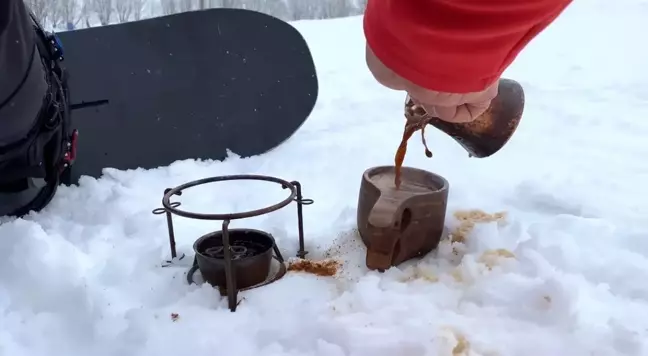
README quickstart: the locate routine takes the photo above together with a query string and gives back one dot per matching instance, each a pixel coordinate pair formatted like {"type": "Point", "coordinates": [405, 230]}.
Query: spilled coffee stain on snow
{"type": "Point", "coordinates": [325, 268]}
{"type": "Point", "coordinates": [468, 220]}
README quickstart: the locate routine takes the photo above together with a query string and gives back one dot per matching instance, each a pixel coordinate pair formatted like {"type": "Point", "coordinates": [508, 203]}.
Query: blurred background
{"type": "Point", "coordinates": [63, 15]}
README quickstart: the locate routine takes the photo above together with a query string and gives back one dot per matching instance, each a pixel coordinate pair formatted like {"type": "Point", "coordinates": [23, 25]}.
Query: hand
{"type": "Point", "coordinates": [451, 107]}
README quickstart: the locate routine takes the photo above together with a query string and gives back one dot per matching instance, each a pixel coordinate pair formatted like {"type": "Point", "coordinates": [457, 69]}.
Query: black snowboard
{"type": "Point", "coordinates": [190, 85]}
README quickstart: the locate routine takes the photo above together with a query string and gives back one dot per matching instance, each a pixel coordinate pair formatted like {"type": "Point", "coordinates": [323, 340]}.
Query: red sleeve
{"type": "Point", "coordinates": [455, 46]}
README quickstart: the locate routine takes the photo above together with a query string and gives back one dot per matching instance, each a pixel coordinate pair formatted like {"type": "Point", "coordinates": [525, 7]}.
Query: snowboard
{"type": "Point", "coordinates": [191, 85]}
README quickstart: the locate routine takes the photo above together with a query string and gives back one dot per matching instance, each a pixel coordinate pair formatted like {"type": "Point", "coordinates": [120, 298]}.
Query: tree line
{"type": "Point", "coordinates": [72, 14]}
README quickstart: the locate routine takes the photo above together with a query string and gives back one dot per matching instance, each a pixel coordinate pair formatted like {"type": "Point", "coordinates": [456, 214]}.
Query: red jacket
{"type": "Point", "coordinates": [456, 46]}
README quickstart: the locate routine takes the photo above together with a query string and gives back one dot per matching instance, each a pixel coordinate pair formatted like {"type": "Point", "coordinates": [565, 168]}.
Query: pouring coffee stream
{"type": "Point", "coordinates": [417, 119]}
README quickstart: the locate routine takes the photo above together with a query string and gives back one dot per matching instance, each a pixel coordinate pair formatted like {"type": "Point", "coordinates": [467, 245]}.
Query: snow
{"type": "Point", "coordinates": [563, 273]}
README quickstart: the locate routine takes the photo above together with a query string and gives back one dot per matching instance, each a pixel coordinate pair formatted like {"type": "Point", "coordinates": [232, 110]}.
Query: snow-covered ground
{"type": "Point", "coordinates": [83, 277]}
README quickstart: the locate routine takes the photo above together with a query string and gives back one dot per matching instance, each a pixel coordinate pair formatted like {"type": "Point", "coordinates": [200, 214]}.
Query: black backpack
{"type": "Point", "coordinates": [48, 151]}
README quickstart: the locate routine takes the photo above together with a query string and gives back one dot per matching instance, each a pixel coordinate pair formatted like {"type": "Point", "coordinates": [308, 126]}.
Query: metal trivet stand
{"type": "Point", "coordinates": [228, 251]}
